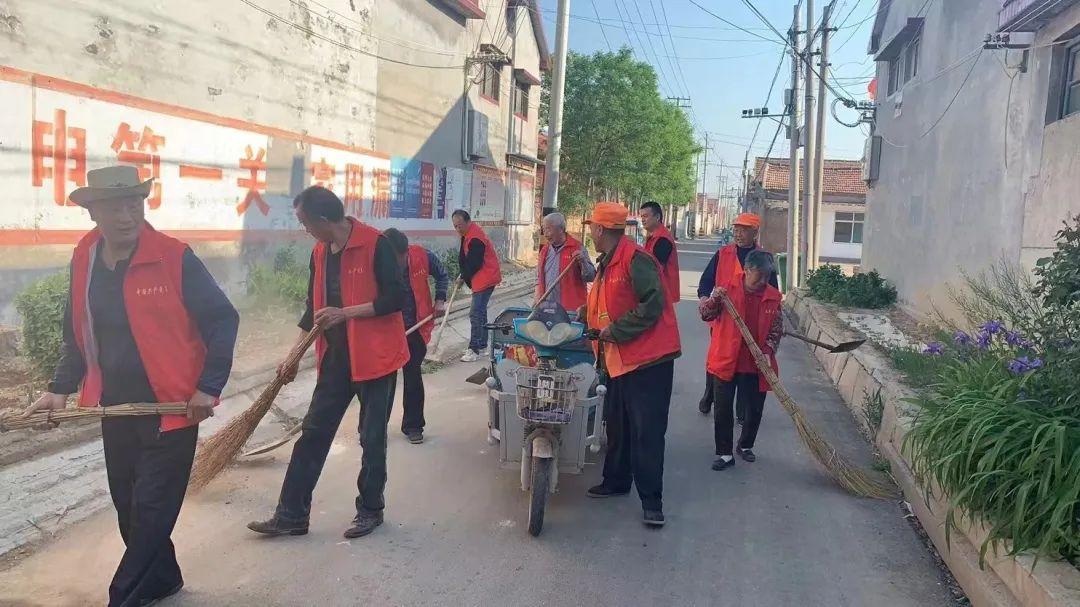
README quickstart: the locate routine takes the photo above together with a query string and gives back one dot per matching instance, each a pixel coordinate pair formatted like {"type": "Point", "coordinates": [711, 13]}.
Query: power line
{"type": "Point", "coordinates": [953, 100]}
{"type": "Point", "coordinates": [738, 27]}
{"type": "Point", "coordinates": [602, 32]}
{"type": "Point", "coordinates": [674, 25]}
{"type": "Point", "coordinates": [652, 48]}
{"type": "Point", "coordinates": [675, 67]}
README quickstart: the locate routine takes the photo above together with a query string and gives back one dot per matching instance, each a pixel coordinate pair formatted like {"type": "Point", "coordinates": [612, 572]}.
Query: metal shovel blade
{"type": "Point", "coordinates": [847, 346]}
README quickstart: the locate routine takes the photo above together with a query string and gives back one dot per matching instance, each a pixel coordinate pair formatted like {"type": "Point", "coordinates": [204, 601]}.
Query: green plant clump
{"type": "Point", "coordinates": [283, 283]}
{"type": "Point", "coordinates": [41, 307]}
{"type": "Point", "coordinates": [865, 290]}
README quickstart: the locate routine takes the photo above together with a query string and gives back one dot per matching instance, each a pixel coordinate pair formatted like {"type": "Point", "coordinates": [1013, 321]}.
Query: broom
{"type": "Point", "coordinates": [14, 420]}
{"type": "Point", "coordinates": [442, 328]}
{"type": "Point", "coordinates": [852, 479]}
{"type": "Point", "coordinates": [221, 448]}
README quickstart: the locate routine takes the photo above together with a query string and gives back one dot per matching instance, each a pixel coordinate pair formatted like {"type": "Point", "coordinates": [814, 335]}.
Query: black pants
{"type": "Point", "coordinates": [148, 475]}
{"type": "Point", "coordinates": [333, 393]}
{"type": "Point", "coordinates": [637, 408]}
{"type": "Point", "coordinates": [710, 396]}
{"type": "Point", "coordinates": [412, 399]}
{"type": "Point", "coordinates": [744, 389]}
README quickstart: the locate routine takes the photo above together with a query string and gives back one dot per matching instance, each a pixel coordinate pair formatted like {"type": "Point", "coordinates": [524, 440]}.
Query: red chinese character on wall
{"type": "Point", "coordinates": [59, 143]}
{"type": "Point", "coordinates": [255, 163]}
{"type": "Point", "coordinates": [354, 190]}
{"type": "Point", "coordinates": [380, 205]}
{"type": "Point", "coordinates": [141, 150]}
{"type": "Point", "coordinates": [322, 174]}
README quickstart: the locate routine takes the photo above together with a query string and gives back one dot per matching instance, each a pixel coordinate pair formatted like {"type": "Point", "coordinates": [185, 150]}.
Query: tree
{"type": "Point", "coordinates": [620, 137]}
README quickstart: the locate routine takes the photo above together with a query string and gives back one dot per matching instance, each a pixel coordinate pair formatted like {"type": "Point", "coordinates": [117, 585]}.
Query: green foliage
{"type": "Point", "coordinates": [864, 290]}
{"type": "Point", "coordinates": [41, 307]}
{"type": "Point", "coordinates": [918, 368]}
{"type": "Point", "coordinates": [449, 259]}
{"type": "Point", "coordinates": [285, 282]}
{"type": "Point", "coordinates": [873, 410]}
{"type": "Point", "coordinates": [1059, 274]}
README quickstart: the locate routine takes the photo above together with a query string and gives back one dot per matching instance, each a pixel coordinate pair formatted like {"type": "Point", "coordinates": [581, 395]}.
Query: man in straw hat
{"type": "Point", "coordinates": [725, 264]}
{"type": "Point", "coordinates": [729, 362]}
{"type": "Point", "coordinates": [355, 295]}
{"type": "Point", "coordinates": [145, 322]}
{"type": "Point", "coordinates": [637, 345]}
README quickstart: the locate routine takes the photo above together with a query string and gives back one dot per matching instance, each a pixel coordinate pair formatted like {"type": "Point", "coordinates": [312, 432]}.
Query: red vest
{"type": "Point", "coordinates": [168, 340]}
{"type": "Point", "coordinates": [572, 291]}
{"type": "Point", "coordinates": [670, 271]}
{"type": "Point", "coordinates": [489, 274]}
{"type": "Point", "coordinates": [377, 345]}
{"type": "Point", "coordinates": [660, 340]}
{"type": "Point", "coordinates": [727, 341]}
{"type": "Point", "coordinates": [728, 266]}
{"type": "Point", "coordinates": [419, 270]}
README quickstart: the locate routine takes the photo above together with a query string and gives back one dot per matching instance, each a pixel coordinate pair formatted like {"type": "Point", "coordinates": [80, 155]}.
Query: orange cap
{"type": "Point", "coordinates": [748, 220]}
{"type": "Point", "coordinates": [609, 215]}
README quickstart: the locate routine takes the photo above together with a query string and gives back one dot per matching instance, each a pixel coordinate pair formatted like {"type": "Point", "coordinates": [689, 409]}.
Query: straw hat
{"type": "Point", "coordinates": [111, 183]}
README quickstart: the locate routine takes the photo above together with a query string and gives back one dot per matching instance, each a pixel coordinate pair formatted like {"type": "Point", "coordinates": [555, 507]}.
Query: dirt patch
{"type": "Point", "coordinates": [18, 383]}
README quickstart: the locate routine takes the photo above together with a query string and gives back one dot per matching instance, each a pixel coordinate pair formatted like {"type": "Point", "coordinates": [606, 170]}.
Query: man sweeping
{"type": "Point", "coordinates": [724, 265]}
{"type": "Point", "coordinates": [734, 372]}
{"type": "Point", "coordinates": [637, 345]}
{"type": "Point", "coordinates": [480, 270]}
{"type": "Point", "coordinates": [355, 296]}
{"type": "Point", "coordinates": [561, 251]}
{"type": "Point", "coordinates": [661, 245]}
{"type": "Point", "coordinates": [417, 266]}
{"type": "Point", "coordinates": [145, 322]}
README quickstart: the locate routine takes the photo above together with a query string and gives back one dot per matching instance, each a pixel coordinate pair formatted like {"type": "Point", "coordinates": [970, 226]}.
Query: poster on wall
{"type": "Point", "coordinates": [522, 197]}
{"type": "Point", "coordinates": [488, 202]}
{"type": "Point", "coordinates": [455, 192]}
{"type": "Point", "coordinates": [427, 190]}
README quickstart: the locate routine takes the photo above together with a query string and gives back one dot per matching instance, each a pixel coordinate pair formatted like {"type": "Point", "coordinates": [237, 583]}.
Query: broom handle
{"type": "Point", "coordinates": [555, 284]}
{"type": "Point", "coordinates": [759, 357]}
{"type": "Point", "coordinates": [449, 304]}
{"type": "Point", "coordinates": [413, 328]}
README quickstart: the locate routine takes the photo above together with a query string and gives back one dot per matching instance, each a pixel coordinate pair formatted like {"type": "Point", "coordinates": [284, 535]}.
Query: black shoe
{"type": "Point", "coordinates": [747, 454]}
{"type": "Point", "coordinates": [157, 599]}
{"type": "Point", "coordinates": [722, 464]}
{"type": "Point", "coordinates": [365, 522]}
{"type": "Point", "coordinates": [603, 490]}
{"type": "Point", "coordinates": [704, 405]}
{"type": "Point", "coordinates": [415, 437]}
{"type": "Point", "coordinates": [653, 518]}
{"type": "Point", "coordinates": [275, 526]}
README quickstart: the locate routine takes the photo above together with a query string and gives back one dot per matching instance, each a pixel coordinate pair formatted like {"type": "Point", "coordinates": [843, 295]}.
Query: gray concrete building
{"type": "Point", "coordinates": [976, 156]}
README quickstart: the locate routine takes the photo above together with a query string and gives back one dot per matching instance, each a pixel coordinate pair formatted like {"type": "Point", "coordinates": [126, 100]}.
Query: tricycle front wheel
{"type": "Point", "coordinates": [538, 493]}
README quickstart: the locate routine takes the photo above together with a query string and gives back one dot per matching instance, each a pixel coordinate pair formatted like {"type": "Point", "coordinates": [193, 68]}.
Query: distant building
{"type": "Point", "coordinates": [843, 209]}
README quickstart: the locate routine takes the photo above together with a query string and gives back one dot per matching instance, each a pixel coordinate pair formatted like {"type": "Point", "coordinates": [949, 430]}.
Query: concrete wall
{"type": "Point", "coordinates": [991, 180]}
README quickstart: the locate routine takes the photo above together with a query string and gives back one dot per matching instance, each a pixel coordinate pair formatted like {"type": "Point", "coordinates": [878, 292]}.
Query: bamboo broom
{"type": "Point", "coordinates": [221, 448]}
{"type": "Point", "coordinates": [846, 475]}
{"type": "Point", "coordinates": [14, 420]}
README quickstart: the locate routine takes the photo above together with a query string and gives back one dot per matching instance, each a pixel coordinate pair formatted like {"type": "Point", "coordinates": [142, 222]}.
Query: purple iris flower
{"type": "Point", "coordinates": [993, 327]}
{"type": "Point", "coordinates": [983, 340]}
{"type": "Point", "coordinates": [1024, 364]}
{"type": "Point", "coordinates": [961, 338]}
{"type": "Point", "coordinates": [1013, 338]}
{"type": "Point", "coordinates": [934, 349]}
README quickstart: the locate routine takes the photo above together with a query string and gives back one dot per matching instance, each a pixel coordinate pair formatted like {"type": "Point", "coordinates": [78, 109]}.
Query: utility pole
{"type": "Point", "coordinates": [810, 217]}
{"type": "Point", "coordinates": [700, 215]}
{"type": "Point", "coordinates": [819, 152]}
{"type": "Point", "coordinates": [794, 225]}
{"type": "Point", "coordinates": [558, 86]}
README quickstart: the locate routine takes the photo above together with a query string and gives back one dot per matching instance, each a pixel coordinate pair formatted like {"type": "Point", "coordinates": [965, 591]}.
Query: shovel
{"type": "Point", "coordinates": [847, 346]}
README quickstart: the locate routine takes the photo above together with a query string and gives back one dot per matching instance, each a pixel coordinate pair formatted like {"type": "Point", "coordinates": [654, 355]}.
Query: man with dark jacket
{"type": "Point", "coordinates": [480, 270]}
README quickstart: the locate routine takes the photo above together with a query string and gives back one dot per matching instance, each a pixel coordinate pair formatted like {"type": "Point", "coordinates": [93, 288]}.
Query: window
{"type": "Point", "coordinates": [521, 100]}
{"type": "Point", "coordinates": [1070, 97]}
{"type": "Point", "coordinates": [905, 65]}
{"type": "Point", "coordinates": [489, 86]}
{"type": "Point", "coordinates": [848, 228]}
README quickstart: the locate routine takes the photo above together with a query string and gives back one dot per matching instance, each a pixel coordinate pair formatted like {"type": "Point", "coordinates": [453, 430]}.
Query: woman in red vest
{"type": "Point", "coordinates": [729, 362]}
{"type": "Point", "coordinates": [661, 244]}
{"type": "Point", "coordinates": [480, 270]}
{"type": "Point", "coordinates": [145, 322]}
{"type": "Point", "coordinates": [417, 265]}
{"type": "Point", "coordinates": [560, 251]}
{"type": "Point", "coordinates": [355, 296]}
{"type": "Point", "coordinates": [637, 345]}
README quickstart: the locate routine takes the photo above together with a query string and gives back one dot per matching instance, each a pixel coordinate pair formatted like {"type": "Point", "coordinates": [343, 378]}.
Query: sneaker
{"type": "Point", "coordinates": [704, 405]}
{"type": "Point", "coordinates": [747, 454]}
{"type": "Point", "coordinates": [275, 526]}
{"type": "Point", "coordinates": [365, 522]}
{"type": "Point", "coordinates": [415, 437]}
{"type": "Point", "coordinates": [653, 518]}
{"type": "Point", "coordinates": [603, 490]}
{"type": "Point", "coordinates": [723, 463]}
{"type": "Point", "coordinates": [470, 357]}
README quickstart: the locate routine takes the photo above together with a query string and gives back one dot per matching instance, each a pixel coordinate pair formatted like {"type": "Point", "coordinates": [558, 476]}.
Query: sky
{"type": "Point", "coordinates": [723, 70]}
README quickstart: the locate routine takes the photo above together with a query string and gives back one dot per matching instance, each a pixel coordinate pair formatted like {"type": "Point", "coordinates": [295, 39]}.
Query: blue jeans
{"type": "Point", "coordinates": [478, 335]}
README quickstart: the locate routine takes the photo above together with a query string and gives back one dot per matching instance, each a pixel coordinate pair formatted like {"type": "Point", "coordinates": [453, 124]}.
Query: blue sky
{"type": "Point", "coordinates": [724, 70]}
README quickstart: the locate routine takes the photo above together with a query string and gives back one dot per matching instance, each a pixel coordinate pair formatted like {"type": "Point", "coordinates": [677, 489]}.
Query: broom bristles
{"type": "Point", "coordinates": [851, 478]}
{"type": "Point", "coordinates": [222, 448]}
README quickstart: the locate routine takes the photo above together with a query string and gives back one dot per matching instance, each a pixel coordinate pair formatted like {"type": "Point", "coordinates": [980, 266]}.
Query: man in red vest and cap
{"type": "Point", "coordinates": [480, 270]}
{"type": "Point", "coordinates": [661, 244]}
{"type": "Point", "coordinates": [725, 264]}
{"type": "Point", "coordinates": [561, 251]}
{"type": "Point", "coordinates": [729, 362]}
{"type": "Point", "coordinates": [145, 322]}
{"type": "Point", "coordinates": [355, 297]}
{"type": "Point", "coordinates": [417, 266]}
{"type": "Point", "coordinates": [637, 344]}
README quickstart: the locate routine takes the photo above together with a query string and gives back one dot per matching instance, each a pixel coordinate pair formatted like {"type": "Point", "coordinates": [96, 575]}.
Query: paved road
{"type": "Point", "coordinates": [772, 533]}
